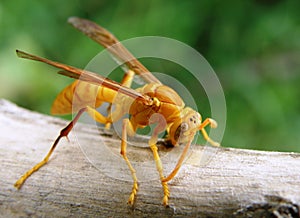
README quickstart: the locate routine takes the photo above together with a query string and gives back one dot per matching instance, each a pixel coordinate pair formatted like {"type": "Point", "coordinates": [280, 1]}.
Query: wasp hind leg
{"type": "Point", "coordinates": [63, 133]}
{"type": "Point", "coordinates": [126, 81]}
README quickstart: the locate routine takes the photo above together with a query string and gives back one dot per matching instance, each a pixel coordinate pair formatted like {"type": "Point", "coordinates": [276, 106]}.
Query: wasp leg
{"type": "Point", "coordinates": [127, 126]}
{"type": "Point", "coordinates": [179, 163]}
{"type": "Point", "coordinates": [160, 171]}
{"type": "Point", "coordinates": [206, 122]}
{"type": "Point", "coordinates": [64, 132]}
{"type": "Point", "coordinates": [161, 126]}
{"type": "Point", "coordinates": [213, 124]}
{"type": "Point", "coordinates": [108, 109]}
{"type": "Point", "coordinates": [96, 115]}
{"type": "Point", "coordinates": [126, 81]}
{"type": "Point", "coordinates": [128, 78]}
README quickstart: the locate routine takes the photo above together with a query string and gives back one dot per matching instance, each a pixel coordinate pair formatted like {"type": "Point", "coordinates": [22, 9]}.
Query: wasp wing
{"type": "Point", "coordinates": [112, 44]}
{"type": "Point", "coordinates": [88, 76]}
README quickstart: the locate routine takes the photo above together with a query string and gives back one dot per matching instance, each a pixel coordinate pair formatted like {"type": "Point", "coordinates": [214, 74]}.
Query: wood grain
{"type": "Point", "coordinates": [230, 183]}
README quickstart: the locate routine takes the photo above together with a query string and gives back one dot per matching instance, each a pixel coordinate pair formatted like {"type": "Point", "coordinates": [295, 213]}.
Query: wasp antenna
{"type": "Point", "coordinates": [213, 123]}
{"type": "Point", "coordinates": [208, 121]}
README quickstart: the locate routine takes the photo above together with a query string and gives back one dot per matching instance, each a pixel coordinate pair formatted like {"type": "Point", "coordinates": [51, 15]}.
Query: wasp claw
{"type": "Point", "coordinates": [131, 199]}
{"type": "Point", "coordinates": [166, 201]}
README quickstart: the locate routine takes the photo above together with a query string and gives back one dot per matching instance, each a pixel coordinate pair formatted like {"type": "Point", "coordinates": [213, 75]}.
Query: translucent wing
{"type": "Point", "coordinates": [109, 41]}
{"type": "Point", "coordinates": [87, 76]}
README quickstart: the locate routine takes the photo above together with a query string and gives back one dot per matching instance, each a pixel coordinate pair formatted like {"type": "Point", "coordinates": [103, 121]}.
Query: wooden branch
{"type": "Point", "coordinates": [231, 183]}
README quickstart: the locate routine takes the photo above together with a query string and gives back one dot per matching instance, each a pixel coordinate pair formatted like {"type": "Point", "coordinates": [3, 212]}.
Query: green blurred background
{"type": "Point", "coordinates": [253, 46]}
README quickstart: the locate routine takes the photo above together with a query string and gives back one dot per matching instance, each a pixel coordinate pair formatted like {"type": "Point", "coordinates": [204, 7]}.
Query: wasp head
{"type": "Point", "coordinates": [185, 127]}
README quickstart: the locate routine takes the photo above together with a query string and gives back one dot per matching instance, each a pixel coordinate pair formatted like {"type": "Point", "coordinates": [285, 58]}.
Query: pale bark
{"type": "Point", "coordinates": [230, 183]}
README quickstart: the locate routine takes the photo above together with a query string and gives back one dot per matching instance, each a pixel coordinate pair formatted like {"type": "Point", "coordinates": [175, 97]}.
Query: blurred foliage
{"type": "Point", "coordinates": [253, 47]}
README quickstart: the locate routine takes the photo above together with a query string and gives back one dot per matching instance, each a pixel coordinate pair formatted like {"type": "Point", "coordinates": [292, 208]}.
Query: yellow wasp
{"type": "Point", "coordinates": [145, 105]}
